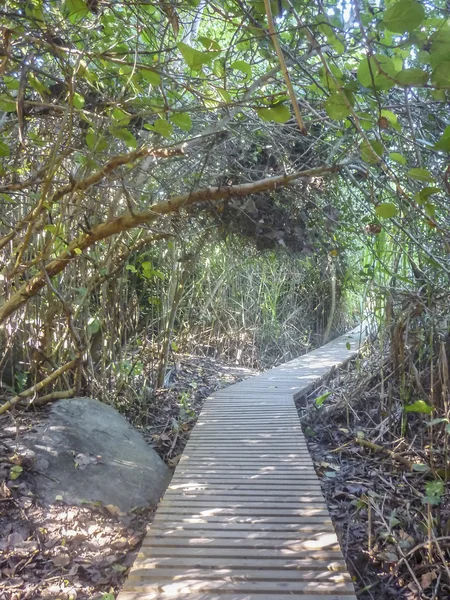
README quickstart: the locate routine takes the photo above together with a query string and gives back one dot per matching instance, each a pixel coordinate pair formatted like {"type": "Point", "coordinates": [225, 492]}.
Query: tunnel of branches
{"type": "Point", "coordinates": [238, 181]}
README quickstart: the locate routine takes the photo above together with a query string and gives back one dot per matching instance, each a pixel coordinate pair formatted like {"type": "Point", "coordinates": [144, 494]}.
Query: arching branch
{"type": "Point", "coordinates": [128, 221]}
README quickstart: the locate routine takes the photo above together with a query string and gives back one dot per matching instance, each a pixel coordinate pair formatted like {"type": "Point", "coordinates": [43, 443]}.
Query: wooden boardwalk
{"type": "Point", "coordinates": [244, 517]}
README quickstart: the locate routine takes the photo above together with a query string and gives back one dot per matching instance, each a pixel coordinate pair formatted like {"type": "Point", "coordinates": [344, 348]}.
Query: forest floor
{"type": "Point", "coordinates": [83, 553]}
{"type": "Point", "coordinates": [385, 501]}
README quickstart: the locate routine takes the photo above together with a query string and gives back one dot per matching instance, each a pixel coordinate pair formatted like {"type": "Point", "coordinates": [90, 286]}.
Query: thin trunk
{"type": "Point", "coordinates": [332, 312]}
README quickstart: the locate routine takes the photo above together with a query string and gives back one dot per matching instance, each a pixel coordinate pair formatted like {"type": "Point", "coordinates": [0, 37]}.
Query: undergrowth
{"type": "Point", "coordinates": [378, 433]}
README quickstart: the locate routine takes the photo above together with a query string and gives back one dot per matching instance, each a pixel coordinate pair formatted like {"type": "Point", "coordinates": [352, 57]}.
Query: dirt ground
{"type": "Point", "coordinates": [84, 552]}
{"type": "Point", "coordinates": [385, 493]}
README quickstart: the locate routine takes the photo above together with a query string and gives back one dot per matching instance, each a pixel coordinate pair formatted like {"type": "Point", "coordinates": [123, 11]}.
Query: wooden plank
{"type": "Point", "coordinates": [206, 534]}
{"type": "Point", "coordinates": [247, 553]}
{"type": "Point", "coordinates": [275, 564]}
{"type": "Point", "coordinates": [225, 574]}
{"type": "Point", "coordinates": [270, 490]}
{"type": "Point", "coordinates": [244, 517]}
{"type": "Point", "coordinates": [162, 525]}
{"type": "Point", "coordinates": [188, 586]}
{"type": "Point", "coordinates": [244, 496]}
{"type": "Point", "coordinates": [142, 595]}
{"type": "Point", "coordinates": [249, 520]}
{"type": "Point", "coordinates": [243, 511]}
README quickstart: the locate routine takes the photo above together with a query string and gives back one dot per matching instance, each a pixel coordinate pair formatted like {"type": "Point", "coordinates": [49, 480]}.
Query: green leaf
{"type": "Point", "coordinates": [265, 114]}
{"type": "Point", "coordinates": [378, 72]}
{"type": "Point", "coordinates": [365, 120]}
{"type": "Point", "coordinates": [208, 43]}
{"type": "Point", "coordinates": [393, 521]}
{"type": "Point", "coordinates": [329, 76]}
{"type": "Point", "coordinates": [123, 134]}
{"type": "Point", "coordinates": [434, 488]}
{"type": "Point", "coordinates": [321, 399]}
{"type": "Point", "coordinates": [411, 77]}
{"type": "Point", "coordinates": [420, 174]}
{"type": "Point", "coordinates": [444, 143]}
{"type": "Point", "coordinates": [422, 196]}
{"type": "Point", "coordinates": [78, 100]}
{"type": "Point", "coordinates": [338, 105]}
{"type": "Point", "coordinates": [420, 406]}
{"type": "Point", "coordinates": [398, 158]}
{"type": "Point", "coordinates": [91, 139]}
{"type": "Point", "coordinates": [182, 120]}
{"type": "Point", "coordinates": [218, 68]}
{"type": "Point", "coordinates": [430, 209]}
{"type": "Point", "coordinates": [421, 468]}
{"type": "Point", "coordinates": [386, 210]}
{"type": "Point", "coordinates": [195, 59]}
{"type": "Point", "coordinates": [36, 84]}
{"type": "Point", "coordinates": [281, 113]}
{"type": "Point", "coordinates": [437, 421]}
{"type": "Point", "coordinates": [371, 151]}
{"type": "Point", "coordinates": [76, 9]}
{"type": "Point", "coordinates": [93, 325]}
{"type": "Point", "coordinates": [121, 117]}
{"type": "Point", "coordinates": [15, 472]}
{"type": "Point", "coordinates": [440, 46]}
{"type": "Point", "coordinates": [244, 67]}
{"type": "Point", "coordinates": [404, 16]}
{"type": "Point", "coordinates": [151, 76]}
{"type": "Point", "coordinates": [392, 118]}
{"type": "Point", "coordinates": [441, 75]}
{"type": "Point", "coordinates": [163, 127]}
{"type": "Point", "coordinates": [333, 40]}
{"type": "Point", "coordinates": [147, 269]}
{"type": "Point", "coordinates": [96, 142]}
{"type": "Point", "coordinates": [4, 149]}
{"type": "Point", "coordinates": [226, 96]}
{"type": "Point", "coordinates": [7, 104]}
{"type": "Point", "coordinates": [434, 491]}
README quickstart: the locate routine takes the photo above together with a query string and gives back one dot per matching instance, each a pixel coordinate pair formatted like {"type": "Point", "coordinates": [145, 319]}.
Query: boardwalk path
{"type": "Point", "coordinates": [244, 517]}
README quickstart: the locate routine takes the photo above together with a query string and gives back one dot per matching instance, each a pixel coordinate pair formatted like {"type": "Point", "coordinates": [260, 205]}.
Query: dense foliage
{"type": "Point", "coordinates": [173, 130]}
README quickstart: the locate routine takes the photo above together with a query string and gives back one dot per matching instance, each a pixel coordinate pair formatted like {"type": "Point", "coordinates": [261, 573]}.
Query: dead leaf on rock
{"type": "Point", "coordinates": [427, 579]}
{"type": "Point", "coordinates": [61, 561]}
{"type": "Point", "coordinates": [15, 540]}
{"type": "Point", "coordinates": [15, 582]}
{"type": "Point", "coordinates": [84, 460]}
{"type": "Point", "coordinates": [135, 539]}
{"type": "Point", "coordinates": [172, 462]}
{"type": "Point", "coordinates": [114, 510]}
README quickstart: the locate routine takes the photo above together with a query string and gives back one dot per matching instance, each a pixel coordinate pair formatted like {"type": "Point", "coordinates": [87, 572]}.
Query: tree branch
{"type": "Point", "coordinates": [127, 221]}
{"type": "Point", "coordinates": [88, 182]}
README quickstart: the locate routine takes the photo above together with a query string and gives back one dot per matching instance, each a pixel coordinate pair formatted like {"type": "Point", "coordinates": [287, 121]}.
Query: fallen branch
{"type": "Point", "coordinates": [394, 455]}
{"type": "Point", "coordinates": [39, 386]}
{"type": "Point", "coordinates": [60, 395]}
{"type": "Point", "coordinates": [129, 221]}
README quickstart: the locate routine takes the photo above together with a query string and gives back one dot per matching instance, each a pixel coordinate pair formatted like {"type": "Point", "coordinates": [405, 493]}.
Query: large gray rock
{"type": "Point", "coordinates": [86, 450]}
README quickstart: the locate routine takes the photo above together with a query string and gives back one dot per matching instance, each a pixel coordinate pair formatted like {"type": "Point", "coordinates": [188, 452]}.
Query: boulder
{"type": "Point", "coordinates": [86, 451]}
